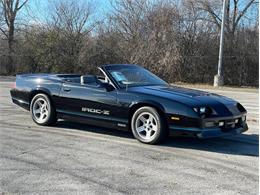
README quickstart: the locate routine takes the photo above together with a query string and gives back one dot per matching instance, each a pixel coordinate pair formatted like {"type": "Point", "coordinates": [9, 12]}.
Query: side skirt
{"type": "Point", "coordinates": [112, 124]}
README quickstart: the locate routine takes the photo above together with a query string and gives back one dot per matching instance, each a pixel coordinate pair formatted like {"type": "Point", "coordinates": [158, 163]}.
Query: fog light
{"type": "Point", "coordinates": [221, 124]}
{"type": "Point", "coordinates": [236, 121]}
{"type": "Point", "coordinates": [210, 124]}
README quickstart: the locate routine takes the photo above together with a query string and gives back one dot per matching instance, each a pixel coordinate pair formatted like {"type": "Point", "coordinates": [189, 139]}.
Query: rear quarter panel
{"type": "Point", "coordinates": [29, 85]}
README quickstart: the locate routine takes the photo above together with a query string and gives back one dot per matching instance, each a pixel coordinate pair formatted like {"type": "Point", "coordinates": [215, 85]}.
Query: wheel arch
{"type": "Point", "coordinates": [138, 105]}
{"type": "Point", "coordinates": [38, 91]}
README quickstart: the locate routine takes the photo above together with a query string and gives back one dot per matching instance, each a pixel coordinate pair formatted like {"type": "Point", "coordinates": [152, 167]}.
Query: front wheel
{"type": "Point", "coordinates": [148, 126]}
{"type": "Point", "coordinates": [42, 111]}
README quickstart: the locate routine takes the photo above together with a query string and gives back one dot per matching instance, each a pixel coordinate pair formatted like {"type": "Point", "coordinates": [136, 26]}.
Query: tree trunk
{"type": "Point", "coordinates": [10, 64]}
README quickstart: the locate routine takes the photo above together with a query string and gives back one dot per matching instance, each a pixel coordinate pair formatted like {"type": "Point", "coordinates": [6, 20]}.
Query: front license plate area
{"type": "Point", "coordinates": [230, 124]}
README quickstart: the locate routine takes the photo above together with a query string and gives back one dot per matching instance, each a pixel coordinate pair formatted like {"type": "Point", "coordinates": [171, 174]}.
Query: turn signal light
{"type": "Point", "coordinates": [175, 118]}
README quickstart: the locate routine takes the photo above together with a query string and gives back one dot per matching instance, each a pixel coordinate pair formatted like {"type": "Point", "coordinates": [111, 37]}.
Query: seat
{"type": "Point", "coordinates": [89, 80]}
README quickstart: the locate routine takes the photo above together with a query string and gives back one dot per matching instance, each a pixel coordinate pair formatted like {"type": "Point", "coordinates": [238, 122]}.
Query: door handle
{"type": "Point", "coordinates": [66, 89]}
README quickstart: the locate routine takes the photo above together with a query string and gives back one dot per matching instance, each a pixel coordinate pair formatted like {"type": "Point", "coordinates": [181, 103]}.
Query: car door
{"type": "Point", "coordinates": [88, 101]}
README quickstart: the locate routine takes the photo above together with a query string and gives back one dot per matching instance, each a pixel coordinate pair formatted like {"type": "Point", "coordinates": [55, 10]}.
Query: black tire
{"type": "Point", "coordinates": [158, 135]}
{"type": "Point", "coordinates": [50, 117]}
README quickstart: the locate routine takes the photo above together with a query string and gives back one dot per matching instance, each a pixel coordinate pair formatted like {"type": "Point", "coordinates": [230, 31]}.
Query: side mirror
{"type": "Point", "coordinates": [107, 86]}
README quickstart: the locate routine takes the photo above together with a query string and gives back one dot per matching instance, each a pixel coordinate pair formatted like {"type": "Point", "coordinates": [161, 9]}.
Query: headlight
{"type": "Point", "coordinates": [203, 111]}
{"type": "Point", "coordinates": [200, 110]}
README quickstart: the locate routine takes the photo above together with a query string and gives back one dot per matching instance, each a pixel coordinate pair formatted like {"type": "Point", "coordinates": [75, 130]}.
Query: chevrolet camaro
{"type": "Point", "coordinates": [128, 97]}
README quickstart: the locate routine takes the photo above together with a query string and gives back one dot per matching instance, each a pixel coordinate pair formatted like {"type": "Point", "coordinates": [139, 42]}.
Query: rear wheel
{"type": "Point", "coordinates": [42, 111]}
{"type": "Point", "coordinates": [148, 126]}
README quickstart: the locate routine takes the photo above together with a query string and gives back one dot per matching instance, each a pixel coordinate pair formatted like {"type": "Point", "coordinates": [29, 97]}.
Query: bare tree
{"type": "Point", "coordinates": [177, 40]}
{"type": "Point", "coordinates": [10, 8]}
{"type": "Point", "coordinates": [70, 23]}
{"type": "Point", "coordinates": [146, 31]}
{"type": "Point", "coordinates": [235, 12]}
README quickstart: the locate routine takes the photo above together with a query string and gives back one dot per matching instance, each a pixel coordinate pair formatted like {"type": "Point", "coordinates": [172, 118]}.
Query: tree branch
{"type": "Point", "coordinates": [18, 8]}
{"type": "Point", "coordinates": [243, 12]}
{"type": "Point", "coordinates": [2, 30]}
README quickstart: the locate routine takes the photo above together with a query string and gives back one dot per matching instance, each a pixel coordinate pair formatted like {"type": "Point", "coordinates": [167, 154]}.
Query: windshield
{"type": "Point", "coordinates": [133, 75]}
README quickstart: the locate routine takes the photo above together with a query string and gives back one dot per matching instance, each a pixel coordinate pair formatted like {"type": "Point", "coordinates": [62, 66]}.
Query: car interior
{"type": "Point", "coordinates": [84, 79]}
{"type": "Point", "coordinates": [90, 80]}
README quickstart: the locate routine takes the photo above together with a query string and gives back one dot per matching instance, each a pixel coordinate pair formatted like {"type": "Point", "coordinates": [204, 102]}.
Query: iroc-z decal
{"type": "Point", "coordinates": [96, 111]}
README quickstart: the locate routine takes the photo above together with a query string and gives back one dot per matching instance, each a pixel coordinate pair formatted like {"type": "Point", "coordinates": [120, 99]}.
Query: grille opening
{"type": "Point", "coordinates": [231, 124]}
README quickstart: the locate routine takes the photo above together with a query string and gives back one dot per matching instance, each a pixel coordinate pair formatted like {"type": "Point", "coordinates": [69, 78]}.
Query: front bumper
{"type": "Point", "coordinates": [210, 132]}
{"type": "Point", "coordinates": [207, 133]}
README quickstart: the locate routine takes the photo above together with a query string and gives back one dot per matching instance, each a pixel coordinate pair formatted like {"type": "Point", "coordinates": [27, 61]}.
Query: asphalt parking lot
{"type": "Point", "coordinates": [78, 159]}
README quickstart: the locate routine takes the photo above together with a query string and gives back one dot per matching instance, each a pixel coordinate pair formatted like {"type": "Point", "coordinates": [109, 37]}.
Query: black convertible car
{"type": "Point", "coordinates": [128, 97]}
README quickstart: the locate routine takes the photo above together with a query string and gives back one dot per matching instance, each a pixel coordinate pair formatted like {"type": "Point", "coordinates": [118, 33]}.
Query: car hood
{"type": "Point", "coordinates": [193, 98]}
